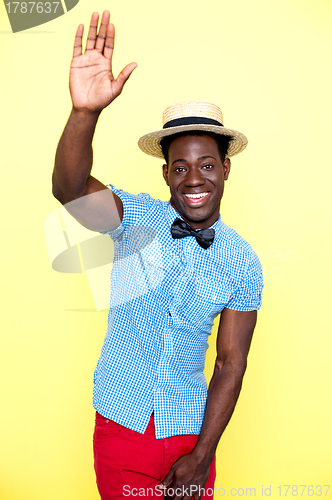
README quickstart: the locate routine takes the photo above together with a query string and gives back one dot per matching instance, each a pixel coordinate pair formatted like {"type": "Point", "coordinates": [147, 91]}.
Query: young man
{"type": "Point", "coordinates": [176, 267]}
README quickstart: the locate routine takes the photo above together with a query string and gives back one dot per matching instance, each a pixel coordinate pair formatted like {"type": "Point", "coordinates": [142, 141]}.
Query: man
{"type": "Point", "coordinates": [176, 267]}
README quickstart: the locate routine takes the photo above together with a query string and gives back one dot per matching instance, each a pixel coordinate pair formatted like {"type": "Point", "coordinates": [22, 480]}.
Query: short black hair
{"type": "Point", "coordinates": [223, 142]}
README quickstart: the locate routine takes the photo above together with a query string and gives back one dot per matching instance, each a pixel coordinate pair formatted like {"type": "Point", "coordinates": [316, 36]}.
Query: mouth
{"type": "Point", "coordinates": [195, 199]}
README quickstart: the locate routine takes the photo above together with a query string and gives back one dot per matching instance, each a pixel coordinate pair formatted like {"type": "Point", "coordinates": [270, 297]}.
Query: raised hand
{"type": "Point", "coordinates": [91, 82]}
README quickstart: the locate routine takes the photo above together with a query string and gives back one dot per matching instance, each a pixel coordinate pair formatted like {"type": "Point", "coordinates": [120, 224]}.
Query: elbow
{"type": "Point", "coordinates": [64, 197]}
{"type": "Point", "coordinates": [57, 193]}
{"type": "Point", "coordinates": [237, 367]}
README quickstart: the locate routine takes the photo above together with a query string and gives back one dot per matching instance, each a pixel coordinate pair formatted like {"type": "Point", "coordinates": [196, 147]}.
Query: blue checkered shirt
{"type": "Point", "coordinates": [165, 295]}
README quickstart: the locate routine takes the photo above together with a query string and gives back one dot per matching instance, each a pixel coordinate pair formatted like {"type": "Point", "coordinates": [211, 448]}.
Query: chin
{"type": "Point", "coordinates": [195, 215]}
{"type": "Point", "coordinates": [196, 218]}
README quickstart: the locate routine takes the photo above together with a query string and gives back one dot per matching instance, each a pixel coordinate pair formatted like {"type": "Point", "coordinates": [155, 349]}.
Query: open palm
{"type": "Point", "coordinates": [91, 82]}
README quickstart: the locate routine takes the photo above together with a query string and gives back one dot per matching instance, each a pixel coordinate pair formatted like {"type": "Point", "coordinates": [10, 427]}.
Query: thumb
{"type": "Point", "coordinates": [125, 74]}
{"type": "Point", "coordinates": [167, 480]}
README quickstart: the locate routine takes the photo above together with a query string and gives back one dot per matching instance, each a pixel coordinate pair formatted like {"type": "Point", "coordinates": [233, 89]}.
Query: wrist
{"type": "Point", "coordinates": [203, 455]}
{"type": "Point", "coordinates": [85, 114]}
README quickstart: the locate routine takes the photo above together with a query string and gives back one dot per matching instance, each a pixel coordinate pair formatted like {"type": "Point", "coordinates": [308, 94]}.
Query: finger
{"type": "Point", "coordinates": [78, 41]}
{"type": "Point", "coordinates": [161, 487]}
{"type": "Point", "coordinates": [179, 496]}
{"type": "Point", "coordinates": [90, 43]}
{"type": "Point", "coordinates": [167, 480]}
{"type": "Point", "coordinates": [109, 43]}
{"type": "Point", "coordinates": [102, 31]}
{"type": "Point", "coordinates": [180, 491]}
{"type": "Point", "coordinates": [120, 81]}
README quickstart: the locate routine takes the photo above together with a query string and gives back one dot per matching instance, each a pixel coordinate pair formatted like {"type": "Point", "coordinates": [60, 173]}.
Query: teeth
{"type": "Point", "coordinates": [198, 195]}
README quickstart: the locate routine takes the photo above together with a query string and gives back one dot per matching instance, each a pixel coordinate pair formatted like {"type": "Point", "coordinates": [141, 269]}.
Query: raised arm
{"type": "Point", "coordinates": [92, 88]}
{"type": "Point", "coordinates": [233, 343]}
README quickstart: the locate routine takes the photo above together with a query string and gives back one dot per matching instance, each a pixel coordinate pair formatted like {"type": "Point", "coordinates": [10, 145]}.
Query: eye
{"type": "Point", "coordinates": [208, 167]}
{"type": "Point", "coordinates": [179, 169]}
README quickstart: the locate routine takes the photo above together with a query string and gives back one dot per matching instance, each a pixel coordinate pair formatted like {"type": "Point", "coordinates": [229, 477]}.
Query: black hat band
{"type": "Point", "coordinates": [191, 120]}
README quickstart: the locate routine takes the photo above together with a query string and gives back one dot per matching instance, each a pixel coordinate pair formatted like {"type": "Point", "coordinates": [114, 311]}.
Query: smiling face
{"type": "Point", "coordinates": [195, 176]}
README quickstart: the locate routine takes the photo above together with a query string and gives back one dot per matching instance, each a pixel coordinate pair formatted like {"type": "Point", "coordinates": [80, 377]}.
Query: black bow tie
{"type": "Point", "coordinates": [181, 229]}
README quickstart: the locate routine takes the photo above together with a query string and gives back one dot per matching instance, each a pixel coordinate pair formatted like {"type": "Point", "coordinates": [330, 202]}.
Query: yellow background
{"type": "Point", "coordinates": [267, 65]}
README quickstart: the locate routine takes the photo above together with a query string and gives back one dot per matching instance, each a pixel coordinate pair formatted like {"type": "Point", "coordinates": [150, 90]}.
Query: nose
{"type": "Point", "coordinates": [194, 177]}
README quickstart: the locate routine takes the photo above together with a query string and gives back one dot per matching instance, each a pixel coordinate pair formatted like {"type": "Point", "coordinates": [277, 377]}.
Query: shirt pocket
{"type": "Point", "coordinates": [212, 296]}
{"type": "Point", "coordinates": [216, 292]}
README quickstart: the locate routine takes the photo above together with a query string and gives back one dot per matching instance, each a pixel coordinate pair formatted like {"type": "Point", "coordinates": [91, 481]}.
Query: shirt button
{"type": "Point", "coordinates": [107, 420]}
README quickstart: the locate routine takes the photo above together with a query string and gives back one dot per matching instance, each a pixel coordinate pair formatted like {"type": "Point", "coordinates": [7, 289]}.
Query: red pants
{"type": "Point", "coordinates": [130, 465]}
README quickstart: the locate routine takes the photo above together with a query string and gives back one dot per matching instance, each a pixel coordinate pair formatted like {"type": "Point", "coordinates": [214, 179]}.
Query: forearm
{"type": "Point", "coordinates": [74, 156]}
{"type": "Point", "coordinates": [223, 393]}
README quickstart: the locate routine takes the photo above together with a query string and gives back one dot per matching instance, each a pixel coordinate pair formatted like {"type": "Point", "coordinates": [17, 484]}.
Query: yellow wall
{"type": "Point", "coordinates": [267, 64]}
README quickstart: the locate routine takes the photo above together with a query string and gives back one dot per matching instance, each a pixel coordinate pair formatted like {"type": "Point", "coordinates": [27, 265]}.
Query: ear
{"type": "Point", "coordinates": [227, 167]}
{"type": "Point", "coordinates": [165, 173]}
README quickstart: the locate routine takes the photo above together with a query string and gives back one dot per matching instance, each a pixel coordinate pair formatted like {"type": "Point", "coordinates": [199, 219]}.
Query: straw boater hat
{"type": "Point", "coordinates": [187, 116]}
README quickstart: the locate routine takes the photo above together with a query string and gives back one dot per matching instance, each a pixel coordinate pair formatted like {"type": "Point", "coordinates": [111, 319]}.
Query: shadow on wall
{"type": "Point", "coordinates": [26, 15]}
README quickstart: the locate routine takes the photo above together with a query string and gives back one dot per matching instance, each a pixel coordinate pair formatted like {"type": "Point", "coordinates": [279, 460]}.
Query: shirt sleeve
{"type": "Point", "coordinates": [248, 296]}
{"type": "Point", "coordinates": [135, 207]}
